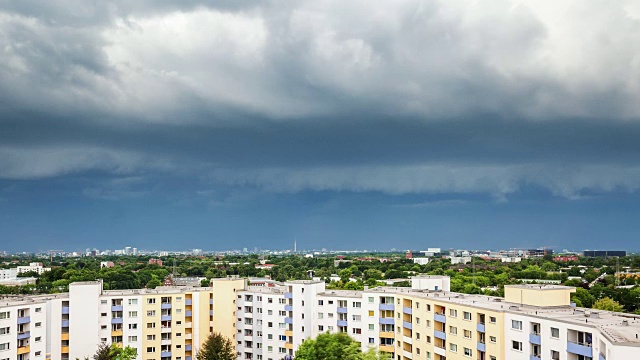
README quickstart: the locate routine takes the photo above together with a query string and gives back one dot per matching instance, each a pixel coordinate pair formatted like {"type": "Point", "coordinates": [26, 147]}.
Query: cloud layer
{"type": "Point", "coordinates": [395, 97]}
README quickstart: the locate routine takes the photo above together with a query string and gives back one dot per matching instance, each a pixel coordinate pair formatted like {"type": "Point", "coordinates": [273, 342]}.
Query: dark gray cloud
{"type": "Point", "coordinates": [397, 97]}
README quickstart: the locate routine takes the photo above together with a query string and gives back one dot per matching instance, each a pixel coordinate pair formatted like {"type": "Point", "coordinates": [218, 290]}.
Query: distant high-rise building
{"type": "Point", "coordinates": [127, 250]}
{"type": "Point", "coordinates": [604, 253]}
{"type": "Point", "coordinates": [135, 251]}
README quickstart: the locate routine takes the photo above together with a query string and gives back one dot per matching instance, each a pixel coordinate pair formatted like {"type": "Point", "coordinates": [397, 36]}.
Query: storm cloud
{"type": "Point", "coordinates": [390, 97]}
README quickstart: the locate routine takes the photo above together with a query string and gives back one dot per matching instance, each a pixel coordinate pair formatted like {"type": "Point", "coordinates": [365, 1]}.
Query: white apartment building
{"type": "Point", "coordinates": [34, 266]}
{"type": "Point", "coordinates": [424, 322]}
{"type": "Point", "coordinates": [8, 274]}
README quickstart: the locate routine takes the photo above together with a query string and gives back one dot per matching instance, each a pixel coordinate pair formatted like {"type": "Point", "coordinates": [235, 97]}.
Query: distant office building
{"type": "Point", "coordinates": [135, 251]}
{"type": "Point", "coordinates": [604, 253]}
{"type": "Point", "coordinates": [539, 252]}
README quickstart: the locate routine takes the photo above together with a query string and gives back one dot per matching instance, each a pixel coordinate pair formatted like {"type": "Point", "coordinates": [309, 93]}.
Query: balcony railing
{"type": "Point", "coordinates": [386, 307]}
{"type": "Point", "coordinates": [579, 348]}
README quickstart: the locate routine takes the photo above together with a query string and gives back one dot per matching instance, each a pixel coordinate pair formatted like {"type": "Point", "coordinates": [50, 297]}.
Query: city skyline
{"type": "Point", "coordinates": [344, 125]}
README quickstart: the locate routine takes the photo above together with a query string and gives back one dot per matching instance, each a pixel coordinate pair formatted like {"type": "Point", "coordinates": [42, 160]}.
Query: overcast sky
{"type": "Point", "coordinates": [361, 124]}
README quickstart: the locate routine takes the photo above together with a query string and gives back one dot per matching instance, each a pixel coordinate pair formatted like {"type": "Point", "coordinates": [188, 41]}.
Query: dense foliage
{"type": "Point", "coordinates": [335, 346]}
{"type": "Point", "coordinates": [216, 347]}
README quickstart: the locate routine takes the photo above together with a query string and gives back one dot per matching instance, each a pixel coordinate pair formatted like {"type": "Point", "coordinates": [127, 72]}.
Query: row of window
{"type": "Point", "coordinates": [164, 300]}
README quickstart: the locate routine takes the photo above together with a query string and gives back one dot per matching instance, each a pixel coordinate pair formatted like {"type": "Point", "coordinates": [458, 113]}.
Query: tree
{"type": "Point", "coordinates": [154, 283]}
{"type": "Point", "coordinates": [608, 304]}
{"type": "Point", "coordinates": [216, 347]}
{"type": "Point", "coordinates": [114, 352]}
{"type": "Point", "coordinates": [335, 346]}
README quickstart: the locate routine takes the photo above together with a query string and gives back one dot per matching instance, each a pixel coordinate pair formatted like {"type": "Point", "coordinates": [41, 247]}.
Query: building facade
{"type": "Point", "coordinates": [423, 322]}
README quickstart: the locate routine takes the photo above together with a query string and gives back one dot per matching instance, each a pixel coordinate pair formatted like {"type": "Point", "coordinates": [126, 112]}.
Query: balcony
{"type": "Point", "coordinates": [407, 325]}
{"type": "Point", "coordinates": [165, 318]}
{"type": "Point", "coordinates": [64, 349]}
{"type": "Point", "coordinates": [117, 308]}
{"type": "Point", "coordinates": [407, 354]}
{"type": "Point", "coordinates": [24, 350]}
{"type": "Point", "coordinates": [165, 330]}
{"type": "Point", "coordinates": [64, 336]}
{"type": "Point", "coordinates": [188, 313]}
{"type": "Point", "coordinates": [188, 336]}
{"type": "Point", "coordinates": [387, 348]}
{"type": "Point", "coordinates": [440, 335]}
{"type": "Point", "coordinates": [288, 295]}
{"type": "Point", "coordinates": [165, 354]}
{"type": "Point", "coordinates": [210, 301]}
{"type": "Point", "coordinates": [480, 327]}
{"type": "Point", "coordinates": [535, 339]}
{"type": "Point", "coordinates": [387, 307]}
{"type": "Point", "coordinates": [534, 357]}
{"type": "Point", "coordinates": [116, 332]}
{"type": "Point", "coordinates": [188, 347]}
{"type": "Point", "coordinates": [24, 320]}
{"type": "Point", "coordinates": [165, 306]}
{"type": "Point", "coordinates": [24, 335]}
{"type": "Point", "coordinates": [187, 358]}
{"type": "Point", "coordinates": [386, 334]}
{"type": "Point", "coordinates": [387, 321]}
{"type": "Point", "coordinates": [116, 321]}
{"type": "Point", "coordinates": [165, 342]}
{"type": "Point", "coordinates": [288, 308]}
{"type": "Point", "coordinates": [188, 325]}
{"type": "Point", "coordinates": [406, 310]}
{"type": "Point", "coordinates": [288, 320]}
{"type": "Point", "coordinates": [288, 345]}
{"type": "Point", "coordinates": [580, 349]}
{"type": "Point", "coordinates": [601, 356]}
{"type": "Point", "coordinates": [440, 351]}
{"type": "Point", "coordinates": [482, 346]}
{"type": "Point", "coordinates": [407, 339]}
{"type": "Point", "coordinates": [288, 333]}
{"type": "Point", "coordinates": [440, 318]}
{"type": "Point", "coordinates": [65, 310]}
{"type": "Point", "coordinates": [210, 312]}
{"type": "Point", "coordinates": [342, 322]}
{"type": "Point", "coordinates": [342, 310]}
{"type": "Point", "coordinates": [188, 302]}
{"type": "Point", "coordinates": [65, 323]}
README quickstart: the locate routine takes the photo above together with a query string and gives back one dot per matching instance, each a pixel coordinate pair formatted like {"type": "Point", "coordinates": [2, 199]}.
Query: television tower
{"type": "Point", "coordinates": [295, 248]}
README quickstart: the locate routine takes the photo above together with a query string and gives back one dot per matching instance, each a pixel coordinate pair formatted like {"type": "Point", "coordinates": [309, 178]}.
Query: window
{"type": "Point", "coordinates": [270, 300]}
{"type": "Point", "coordinates": [555, 332]}
{"type": "Point", "coordinates": [39, 309]}
{"type": "Point", "coordinates": [371, 313]}
{"type": "Point", "coordinates": [356, 317]}
{"type": "Point", "coordinates": [453, 347]}
{"type": "Point", "coordinates": [429, 309]}
{"type": "Point", "coordinates": [453, 330]}
{"type": "Point", "coordinates": [38, 324]}
{"type": "Point", "coordinates": [5, 315]}
{"type": "Point", "coordinates": [4, 346]}
{"type": "Point", "coordinates": [417, 336]}
{"type": "Point", "coordinates": [370, 299]}
{"type": "Point", "coordinates": [467, 334]}
{"type": "Point", "coordinates": [151, 325]}
{"type": "Point", "coordinates": [38, 338]}
{"type": "Point", "coordinates": [467, 315]}
{"type": "Point", "coordinates": [555, 355]}
{"type": "Point", "coordinates": [4, 330]}
{"type": "Point", "coordinates": [133, 326]}
{"type": "Point", "coordinates": [516, 324]}
{"type": "Point", "coordinates": [320, 302]}
{"type": "Point", "coordinates": [133, 301]}
{"type": "Point", "coordinates": [492, 339]}
{"type": "Point", "coordinates": [418, 351]}
{"type": "Point", "coordinates": [151, 313]}
{"type": "Point", "coordinates": [270, 324]}
{"type": "Point", "coordinates": [133, 314]}
{"type": "Point", "coordinates": [320, 328]}
{"type": "Point", "coordinates": [103, 327]}
{"type": "Point", "coordinates": [357, 304]}
{"type": "Point", "coordinates": [372, 341]}
{"type": "Point", "coordinates": [516, 345]}
{"type": "Point", "coordinates": [370, 326]}
{"type": "Point", "coordinates": [151, 349]}
{"type": "Point", "coordinates": [357, 331]}
{"type": "Point", "coordinates": [418, 320]}
{"type": "Point", "coordinates": [428, 323]}
{"type": "Point", "coordinates": [282, 350]}
{"type": "Point", "coordinates": [492, 319]}
{"type": "Point", "coordinates": [330, 315]}
{"type": "Point", "coordinates": [270, 336]}
{"type": "Point", "coordinates": [282, 338]}
{"type": "Point", "coordinates": [151, 301]}
{"type": "Point", "coordinates": [133, 338]}
{"type": "Point", "coordinates": [467, 352]}
{"type": "Point", "coordinates": [453, 312]}
{"type": "Point", "coordinates": [38, 353]}
{"type": "Point", "coordinates": [269, 312]}
{"type": "Point", "coordinates": [151, 337]}
{"type": "Point", "coordinates": [103, 302]}
{"type": "Point", "coordinates": [428, 339]}
{"type": "Point", "coordinates": [417, 305]}
{"type": "Point", "coordinates": [103, 314]}
{"type": "Point", "coordinates": [270, 348]}
{"type": "Point", "coordinates": [320, 316]}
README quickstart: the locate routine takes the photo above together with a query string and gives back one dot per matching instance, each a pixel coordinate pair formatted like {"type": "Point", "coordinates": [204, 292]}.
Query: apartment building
{"type": "Point", "coordinates": [424, 322]}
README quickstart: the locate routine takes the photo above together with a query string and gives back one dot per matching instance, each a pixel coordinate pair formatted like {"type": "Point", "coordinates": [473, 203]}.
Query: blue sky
{"type": "Point", "coordinates": [370, 124]}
